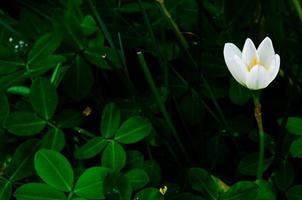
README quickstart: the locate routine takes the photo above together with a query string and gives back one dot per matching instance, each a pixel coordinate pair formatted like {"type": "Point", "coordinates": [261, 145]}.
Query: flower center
{"type": "Point", "coordinates": [254, 62]}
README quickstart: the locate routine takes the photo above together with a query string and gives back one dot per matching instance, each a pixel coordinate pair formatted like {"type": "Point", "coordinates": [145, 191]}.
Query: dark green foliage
{"type": "Point", "coordinates": [43, 98]}
{"type": "Point", "coordinates": [54, 139]}
{"type": "Point", "coordinates": [24, 123]}
{"type": "Point", "coordinates": [114, 156]}
{"type": "Point", "coordinates": [31, 191]}
{"type": "Point", "coordinates": [54, 169]}
{"type": "Point", "coordinates": [111, 118]}
{"type": "Point", "coordinates": [91, 183]}
{"type": "Point", "coordinates": [91, 148]}
{"type": "Point", "coordinates": [149, 194]}
{"type": "Point", "coordinates": [241, 190]}
{"type": "Point", "coordinates": [21, 164]}
{"type": "Point", "coordinates": [132, 100]}
{"type": "Point", "coordinates": [201, 181]}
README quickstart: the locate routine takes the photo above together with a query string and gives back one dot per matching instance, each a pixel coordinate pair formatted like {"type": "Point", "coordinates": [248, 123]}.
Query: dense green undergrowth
{"type": "Point", "coordinates": [132, 99]}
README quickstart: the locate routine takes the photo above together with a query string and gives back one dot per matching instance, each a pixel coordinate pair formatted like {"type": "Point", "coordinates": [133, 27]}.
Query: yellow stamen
{"type": "Point", "coordinates": [254, 62]}
{"type": "Point", "coordinates": [163, 190]}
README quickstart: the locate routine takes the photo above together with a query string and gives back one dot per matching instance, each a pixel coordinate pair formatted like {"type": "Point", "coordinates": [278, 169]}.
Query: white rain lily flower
{"type": "Point", "coordinates": [252, 68]}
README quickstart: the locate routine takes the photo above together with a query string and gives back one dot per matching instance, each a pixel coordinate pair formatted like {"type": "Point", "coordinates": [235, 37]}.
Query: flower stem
{"type": "Point", "coordinates": [258, 116]}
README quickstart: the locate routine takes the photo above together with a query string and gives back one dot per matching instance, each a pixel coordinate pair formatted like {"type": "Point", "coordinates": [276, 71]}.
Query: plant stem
{"type": "Point", "coordinates": [104, 29]}
{"type": "Point", "coordinates": [178, 33]}
{"type": "Point", "coordinates": [70, 195]}
{"type": "Point", "coordinates": [186, 46]}
{"type": "Point", "coordinates": [298, 8]}
{"type": "Point", "coordinates": [160, 104]}
{"type": "Point", "coordinates": [161, 57]}
{"type": "Point", "coordinates": [258, 116]}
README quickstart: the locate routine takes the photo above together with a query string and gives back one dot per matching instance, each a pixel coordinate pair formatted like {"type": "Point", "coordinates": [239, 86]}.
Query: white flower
{"type": "Point", "coordinates": [252, 68]}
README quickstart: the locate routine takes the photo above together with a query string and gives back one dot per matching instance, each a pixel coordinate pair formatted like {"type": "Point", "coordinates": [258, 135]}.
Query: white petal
{"type": "Point", "coordinates": [258, 78]}
{"type": "Point", "coordinates": [275, 66]}
{"type": "Point", "coordinates": [241, 70]}
{"type": "Point", "coordinates": [249, 52]}
{"type": "Point", "coordinates": [230, 52]}
{"type": "Point", "coordinates": [266, 52]}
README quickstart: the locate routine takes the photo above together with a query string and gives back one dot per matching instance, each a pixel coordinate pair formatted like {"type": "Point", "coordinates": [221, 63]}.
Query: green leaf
{"type": "Point", "coordinates": [97, 41]}
{"type": "Point", "coordinates": [114, 156]}
{"type": "Point", "coordinates": [21, 90]}
{"type": "Point", "coordinates": [9, 66]}
{"type": "Point", "coordinates": [248, 164]}
{"type": "Point", "coordinates": [21, 165]}
{"type": "Point", "coordinates": [74, 7]}
{"type": "Point", "coordinates": [135, 159]}
{"type": "Point", "coordinates": [44, 46]}
{"type": "Point", "coordinates": [5, 190]}
{"type": "Point", "coordinates": [78, 79]}
{"type": "Point", "coordinates": [43, 97]}
{"type": "Point", "coordinates": [266, 191]}
{"type": "Point", "coordinates": [138, 178]}
{"type": "Point", "coordinates": [241, 190]}
{"type": "Point", "coordinates": [9, 61]}
{"type": "Point", "coordinates": [153, 170]}
{"type": "Point", "coordinates": [97, 58]}
{"type": "Point", "coordinates": [91, 148]}
{"type": "Point", "coordinates": [88, 25]}
{"type": "Point", "coordinates": [111, 118]}
{"type": "Point", "coordinates": [296, 148]}
{"type": "Point", "coordinates": [4, 108]}
{"type": "Point", "coordinates": [111, 55]}
{"type": "Point", "coordinates": [294, 125]}
{"type": "Point", "coordinates": [71, 28]}
{"type": "Point", "coordinates": [24, 123]}
{"type": "Point", "coordinates": [212, 7]}
{"type": "Point", "coordinates": [44, 64]}
{"type": "Point", "coordinates": [149, 194]}
{"type": "Point", "coordinates": [238, 94]}
{"type": "Point", "coordinates": [117, 187]}
{"type": "Point", "coordinates": [294, 193]}
{"type": "Point", "coordinates": [90, 184]}
{"type": "Point", "coordinates": [11, 79]}
{"type": "Point", "coordinates": [54, 139]}
{"type": "Point", "coordinates": [133, 130]}
{"type": "Point", "coordinates": [284, 175]}
{"type": "Point", "coordinates": [202, 182]}
{"type": "Point", "coordinates": [54, 169]}
{"type": "Point", "coordinates": [58, 73]}
{"type": "Point", "coordinates": [34, 191]}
